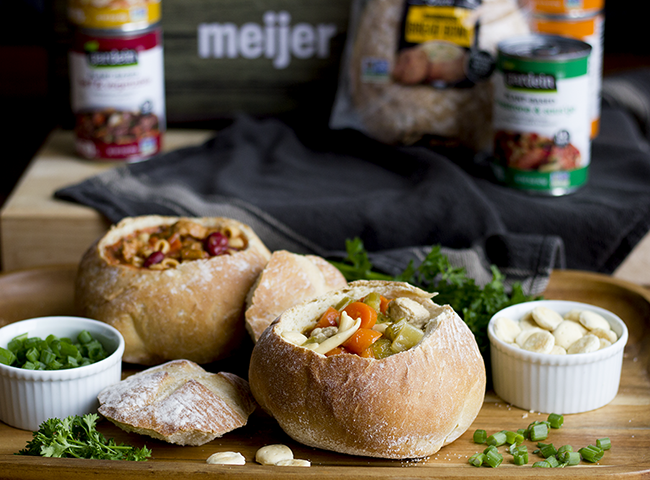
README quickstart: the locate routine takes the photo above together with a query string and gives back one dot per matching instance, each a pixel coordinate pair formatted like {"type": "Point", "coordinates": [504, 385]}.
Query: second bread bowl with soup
{"type": "Point", "coordinates": [415, 389]}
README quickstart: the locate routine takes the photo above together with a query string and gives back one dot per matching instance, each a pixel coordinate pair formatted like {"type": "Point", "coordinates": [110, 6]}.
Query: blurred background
{"type": "Point", "coordinates": [34, 89]}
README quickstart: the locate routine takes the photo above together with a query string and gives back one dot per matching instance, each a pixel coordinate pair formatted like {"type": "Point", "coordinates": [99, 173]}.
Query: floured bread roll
{"type": "Point", "coordinates": [178, 402]}
{"type": "Point", "coordinates": [174, 287]}
{"type": "Point", "coordinates": [286, 280]}
{"type": "Point", "coordinates": [406, 403]}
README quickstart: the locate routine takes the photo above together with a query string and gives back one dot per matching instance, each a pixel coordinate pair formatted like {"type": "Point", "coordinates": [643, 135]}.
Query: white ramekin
{"type": "Point", "coordinates": [29, 397]}
{"type": "Point", "coordinates": [561, 384]}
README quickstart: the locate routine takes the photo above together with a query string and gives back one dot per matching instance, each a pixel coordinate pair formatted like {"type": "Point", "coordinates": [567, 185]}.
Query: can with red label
{"type": "Point", "coordinates": [589, 28]}
{"type": "Point", "coordinates": [117, 93]}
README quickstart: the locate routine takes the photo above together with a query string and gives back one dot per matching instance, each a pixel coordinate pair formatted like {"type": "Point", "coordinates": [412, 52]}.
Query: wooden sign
{"type": "Point", "coordinates": [227, 56]}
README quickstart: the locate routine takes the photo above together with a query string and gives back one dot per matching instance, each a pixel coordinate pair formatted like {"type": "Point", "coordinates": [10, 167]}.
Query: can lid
{"type": "Point", "coordinates": [569, 17]}
{"type": "Point", "coordinates": [116, 33]}
{"type": "Point", "coordinates": [566, 7]}
{"type": "Point", "coordinates": [544, 47]}
{"type": "Point", "coordinates": [114, 14]}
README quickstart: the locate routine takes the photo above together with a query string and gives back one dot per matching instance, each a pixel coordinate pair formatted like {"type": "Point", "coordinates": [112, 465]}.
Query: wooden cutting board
{"type": "Point", "coordinates": [626, 420]}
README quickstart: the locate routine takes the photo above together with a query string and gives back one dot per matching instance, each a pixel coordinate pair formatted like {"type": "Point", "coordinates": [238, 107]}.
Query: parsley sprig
{"type": "Point", "coordinates": [475, 304]}
{"type": "Point", "coordinates": [77, 437]}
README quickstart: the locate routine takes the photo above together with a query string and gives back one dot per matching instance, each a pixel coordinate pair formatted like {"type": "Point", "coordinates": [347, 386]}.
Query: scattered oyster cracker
{"type": "Point", "coordinates": [279, 455]}
{"type": "Point", "coordinates": [226, 458]}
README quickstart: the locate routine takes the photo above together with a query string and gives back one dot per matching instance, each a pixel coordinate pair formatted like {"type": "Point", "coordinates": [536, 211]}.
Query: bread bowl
{"type": "Point", "coordinates": [287, 279]}
{"type": "Point", "coordinates": [191, 310]}
{"type": "Point", "coordinates": [178, 402]}
{"type": "Point", "coordinates": [406, 405]}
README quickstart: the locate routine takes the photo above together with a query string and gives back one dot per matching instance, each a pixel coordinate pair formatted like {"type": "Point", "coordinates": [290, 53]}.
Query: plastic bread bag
{"type": "Point", "coordinates": [418, 71]}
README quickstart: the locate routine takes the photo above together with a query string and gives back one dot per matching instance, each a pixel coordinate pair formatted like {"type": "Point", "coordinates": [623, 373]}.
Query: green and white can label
{"type": "Point", "coordinates": [117, 94]}
{"type": "Point", "coordinates": [541, 121]}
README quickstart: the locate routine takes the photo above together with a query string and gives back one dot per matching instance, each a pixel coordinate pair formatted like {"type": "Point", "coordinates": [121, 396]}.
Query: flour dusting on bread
{"type": "Point", "coordinates": [178, 402]}
{"type": "Point", "coordinates": [287, 280]}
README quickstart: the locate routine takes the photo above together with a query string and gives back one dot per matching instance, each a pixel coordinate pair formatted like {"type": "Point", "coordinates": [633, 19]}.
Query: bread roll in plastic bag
{"type": "Point", "coordinates": [418, 71]}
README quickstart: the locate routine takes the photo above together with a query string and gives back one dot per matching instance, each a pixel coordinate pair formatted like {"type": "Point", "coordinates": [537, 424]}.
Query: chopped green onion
{"type": "Point", "coordinates": [31, 342]}
{"type": "Point", "coordinates": [30, 366]}
{"type": "Point", "coordinates": [480, 436]}
{"type": "Point", "coordinates": [552, 461]}
{"type": "Point", "coordinates": [497, 439]}
{"type": "Point", "coordinates": [538, 431]}
{"type": "Point", "coordinates": [6, 356]}
{"type": "Point", "coordinates": [565, 448]}
{"type": "Point", "coordinates": [569, 457]}
{"type": "Point", "coordinates": [47, 356]}
{"type": "Point", "coordinates": [514, 438]}
{"type": "Point", "coordinates": [53, 353]}
{"type": "Point", "coordinates": [548, 450]}
{"type": "Point", "coordinates": [491, 448]}
{"type": "Point", "coordinates": [542, 464]}
{"type": "Point", "coordinates": [555, 420]}
{"type": "Point", "coordinates": [16, 343]}
{"type": "Point", "coordinates": [520, 455]}
{"type": "Point", "coordinates": [54, 365]}
{"type": "Point", "coordinates": [33, 355]}
{"type": "Point", "coordinates": [477, 459]}
{"type": "Point", "coordinates": [604, 443]}
{"type": "Point", "coordinates": [493, 458]}
{"type": "Point", "coordinates": [520, 459]}
{"type": "Point", "coordinates": [591, 453]}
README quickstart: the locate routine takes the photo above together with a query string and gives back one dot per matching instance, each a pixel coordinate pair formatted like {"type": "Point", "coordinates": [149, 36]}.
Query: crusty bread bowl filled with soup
{"type": "Point", "coordinates": [374, 369]}
{"type": "Point", "coordinates": [174, 287]}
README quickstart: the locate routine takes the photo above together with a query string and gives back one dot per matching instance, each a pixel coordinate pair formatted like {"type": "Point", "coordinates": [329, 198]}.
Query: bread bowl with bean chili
{"type": "Point", "coordinates": [175, 287]}
{"type": "Point", "coordinates": [406, 390]}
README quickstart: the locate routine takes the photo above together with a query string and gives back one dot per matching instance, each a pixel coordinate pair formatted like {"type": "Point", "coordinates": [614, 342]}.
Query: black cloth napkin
{"type": "Point", "coordinates": [308, 195]}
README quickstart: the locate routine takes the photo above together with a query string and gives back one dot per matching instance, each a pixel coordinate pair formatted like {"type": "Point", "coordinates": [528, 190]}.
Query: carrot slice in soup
{"type": "Point", "coordinates": [384, 304]}
{"type": "Point", "coordinates": [366, 313]}
{"type": "Point", "coordinates": [329, 319]}
{"type": "Point", "coordinates": [361, 340]}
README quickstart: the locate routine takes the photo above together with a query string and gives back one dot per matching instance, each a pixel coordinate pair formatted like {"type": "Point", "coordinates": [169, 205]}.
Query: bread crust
{"type": "Point", "coordinates": [407, 405]}
{"type": "Point", "coordinates": [194, 311]}
{"type": "Point", "coordinates": [288, 279]}
{"type": "Point", "coordinates": [178, 402]}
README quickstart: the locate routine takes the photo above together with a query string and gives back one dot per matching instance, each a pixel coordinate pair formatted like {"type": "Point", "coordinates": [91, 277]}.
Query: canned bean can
{"type": "Point", "coordinates": [117, 94]}
{"type": "Point", "coordinates": [590, 29]}
{"type": "Point", "coordinates": [123, 15]}
{"type": "Point", "coordinates": [567, 7]}
{"type": "Point", "coordinates": [541, 116]}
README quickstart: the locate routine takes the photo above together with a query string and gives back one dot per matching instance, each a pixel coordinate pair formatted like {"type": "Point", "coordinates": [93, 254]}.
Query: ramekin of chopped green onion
{"type": "Point", "coordinates": [54, 367]}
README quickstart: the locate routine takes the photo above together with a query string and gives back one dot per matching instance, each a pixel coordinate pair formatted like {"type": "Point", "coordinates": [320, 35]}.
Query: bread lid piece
{"type": "Point", "coordinates": [288, 279]}
{"type": "Point", "coordinates": [178, 402]}
{"type": "Point", "coordinates": [407, 405]}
